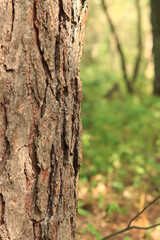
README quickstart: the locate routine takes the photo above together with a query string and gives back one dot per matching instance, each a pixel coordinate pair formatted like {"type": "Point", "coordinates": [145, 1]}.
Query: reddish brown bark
{"type": "Point", "coordinates": [40, 124]}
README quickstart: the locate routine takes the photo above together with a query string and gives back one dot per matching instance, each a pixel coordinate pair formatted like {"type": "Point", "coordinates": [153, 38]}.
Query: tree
{"type": "Point", "coordinates": [155, 20]}
{"type": "Point", "coordinates": [129, 81]}
{"type": "Point", "coordinates": [40, 124]}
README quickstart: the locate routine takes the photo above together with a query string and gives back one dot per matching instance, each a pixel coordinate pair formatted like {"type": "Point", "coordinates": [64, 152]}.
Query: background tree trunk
{"type": "Point", "coordinates": [155, 20]}
{"type": "Point", "coordinates": [40, 125]}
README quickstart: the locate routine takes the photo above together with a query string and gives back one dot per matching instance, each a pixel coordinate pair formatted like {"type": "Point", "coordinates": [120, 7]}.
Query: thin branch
{"type": "Point", "coordinates": [144, 209]}
{"type": "Point", "coordinates": [119, 47]}
{"type": "Point", "coordinates": [139, 44]}
{"type": "Point", "coordinates": [129, 227]}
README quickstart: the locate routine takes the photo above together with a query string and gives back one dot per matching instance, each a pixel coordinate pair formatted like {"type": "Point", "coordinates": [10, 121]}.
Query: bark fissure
{"type": "Point", "coordinates": [13, 17]}
{"type": "Point", "coordinates": [51, 183]}
{"type": "Point", "coordinates": [65, 71]}
{"type": "Point", "coordinates": [76, 160]}
{"type": "Point", "coordinates": [35, 96]}
{"type": "Point", "coordinates": [25, 172]}
{"type": "Point", "coordinates": [83, 2]}
{"type": "Point", "coordinates": [44, 100]}
{"type": "Point", "coordinates": [7, 152]}
{"type": "Point", "coordinates": [35, 89]}
{"type": "Point", "coordinates": [63, 17]}
{"type": "Point", "coordinates": [37, 230]}
{"type": "Point", "coordinates": [36, 28]}
{"type": "Point", "coordinates": [57, 65]}
{"type": "Point", "coordinates": [2, 209]}
{"type": "Point", "coordinates": [11, 70]}
{"type": "Point", "coordinates": [35, 162]}
{"type": "Point", "coordinates": [34, 159]}
{"type": "Point", "coordinates": [60, 199]}
{"type": "Point", "coordinates": [62, 13]}
{"type": "Point", "coordinates": [64, 143]}
{"type": "Point", "coordinates": [2, 212]}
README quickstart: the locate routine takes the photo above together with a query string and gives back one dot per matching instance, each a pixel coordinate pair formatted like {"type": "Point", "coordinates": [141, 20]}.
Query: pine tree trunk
{"type": "Point", "coordinates": [40, 124]}
{"type": "Point", "coordinates": [155, 20]}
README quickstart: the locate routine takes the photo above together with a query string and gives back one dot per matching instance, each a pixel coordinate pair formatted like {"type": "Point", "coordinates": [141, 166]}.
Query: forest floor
{"type": "Point", "coordinates": [120, 168]}
{"type": "Point", "coordinates": [96, 221]}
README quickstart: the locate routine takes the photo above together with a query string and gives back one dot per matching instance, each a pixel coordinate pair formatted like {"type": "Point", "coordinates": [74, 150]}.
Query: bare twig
{"type": "Point", "coordinates": [129, 227]}
{"type": "Point", "coordinates": [144, 209]}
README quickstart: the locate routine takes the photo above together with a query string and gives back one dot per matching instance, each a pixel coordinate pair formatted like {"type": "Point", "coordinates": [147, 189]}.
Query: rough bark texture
{"type": "Point", "coordinates": [40, 125]}
{"type": "Point", "coordinates": [155, 20]}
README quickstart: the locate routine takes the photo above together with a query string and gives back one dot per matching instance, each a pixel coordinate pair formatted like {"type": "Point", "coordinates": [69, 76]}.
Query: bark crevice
{"type": "Point", "coordinates": [51, 183]}
{"type": "Point", "coordinates": [37, 231]}
{"type": "Point", "coordinates": [7, 151]}
{"type": "Point", "coordinates": [35, 164]}
{"type": "Point", "coordinates": [2, 209]}
{"type": "Point", "coordinates": [13, 18]}
{"type": "Point", "coordinates": [64, 143]}
{"type": "Point", "coordinates": [2, 212]}
{"type": "Point", "coordinates": [36, 28]}
{"type": "Point", "coordinates": [62, 13]}
{"type": "Point", "coordinates": [11, 70]}
{"type": "Point", "coordinates": [44, 100]}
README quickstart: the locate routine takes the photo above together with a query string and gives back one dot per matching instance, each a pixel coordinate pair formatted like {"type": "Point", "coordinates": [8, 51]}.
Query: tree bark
{"type": "Point", "coordinates": [40, 124]}
{"type": "Point", "coordinates": [155, 20]}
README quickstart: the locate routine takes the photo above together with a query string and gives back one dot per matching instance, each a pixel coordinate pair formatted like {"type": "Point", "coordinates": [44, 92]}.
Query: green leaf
{"type": "Point", "coordinates": [118, 185]}
{"type": "Point", "coordinates": [93, 230]}
{"type": "Point", "coordinates": [80, 203]}
{"type": "Point", "coordinates": [112, 207]}
{"type": "Point", "coordinates": [82, 231]}
{"type": "Point", "coordinates": [83, 212]}
{"type": "Point", "coordinates": [127, 238]}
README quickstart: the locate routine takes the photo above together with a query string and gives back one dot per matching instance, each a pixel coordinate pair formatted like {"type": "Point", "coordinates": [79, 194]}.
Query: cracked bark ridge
{"type": "Point", "coordinates": [40, 124]}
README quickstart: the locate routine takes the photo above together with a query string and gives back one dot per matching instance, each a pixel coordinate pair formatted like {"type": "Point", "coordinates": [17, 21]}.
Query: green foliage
{"type": "Point", "coordinates": [81, 210]}
{"type": "Point", "coordinates": [94, 231]}
{"type": "Point", "coordinates": [101, 201]}
{"type": "Point", "coordinates": [82, 231]}
{"type": "Point", "coordinates": [112, 207]}
{"type": "Point", "coordinates": [127, 238]}
{"type": "Point", "coordinates": [121, 139]}
{"type": "Point", "coordinates": [121, 135]}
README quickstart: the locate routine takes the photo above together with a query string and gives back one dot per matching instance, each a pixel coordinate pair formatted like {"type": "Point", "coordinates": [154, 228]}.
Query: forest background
{"type": "Point", "coordinates": [121, 140]}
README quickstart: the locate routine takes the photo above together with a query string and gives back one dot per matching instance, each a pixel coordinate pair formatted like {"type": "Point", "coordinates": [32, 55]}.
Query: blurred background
{"type": "Point", "coordinates": [121, 119]}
